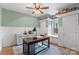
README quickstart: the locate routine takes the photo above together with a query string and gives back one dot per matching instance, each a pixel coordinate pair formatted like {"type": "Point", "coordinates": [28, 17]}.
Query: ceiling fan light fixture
{"type": "Point", "coordinates": [37, 5]}
{"type": "Point", "coordinates": [35, 11]}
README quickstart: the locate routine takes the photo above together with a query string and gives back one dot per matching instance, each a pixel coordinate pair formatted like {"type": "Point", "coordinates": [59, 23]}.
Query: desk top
{"type": "Point", "coordinates": [35, 39]}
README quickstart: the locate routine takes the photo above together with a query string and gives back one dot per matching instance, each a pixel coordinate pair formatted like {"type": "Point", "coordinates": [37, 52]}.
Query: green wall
{"type": "Point", "coordinates": [12, 18]}
{"type": "Point", "coordinates": [75, 5]}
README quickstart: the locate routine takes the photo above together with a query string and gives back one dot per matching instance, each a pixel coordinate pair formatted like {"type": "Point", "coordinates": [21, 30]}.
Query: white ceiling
{"type": "Point", "coordinates": [20, 7]}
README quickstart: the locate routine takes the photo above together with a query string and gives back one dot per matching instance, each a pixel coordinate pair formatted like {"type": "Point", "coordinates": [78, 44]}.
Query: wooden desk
{"type": "Point", "coordinates": [31, 41]}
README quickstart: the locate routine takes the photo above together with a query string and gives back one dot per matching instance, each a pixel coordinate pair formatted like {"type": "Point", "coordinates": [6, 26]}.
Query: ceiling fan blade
{"type": "Point", "coordinates": [44, 7]}
{"type": "Point", "coordinates": [41, 11]}
{"type": "Point", "coordinates": [29, 7]}
{"type": "Point", "coordinates": [33, 12]}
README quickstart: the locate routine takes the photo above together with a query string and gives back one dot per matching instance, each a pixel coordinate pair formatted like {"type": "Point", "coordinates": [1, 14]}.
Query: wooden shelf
{"type": "Point", "coordinates": [68, 13]}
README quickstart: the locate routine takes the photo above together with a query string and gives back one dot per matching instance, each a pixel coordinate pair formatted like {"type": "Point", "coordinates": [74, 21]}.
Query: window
{"type": "Point", "coordinates": [53, 26]}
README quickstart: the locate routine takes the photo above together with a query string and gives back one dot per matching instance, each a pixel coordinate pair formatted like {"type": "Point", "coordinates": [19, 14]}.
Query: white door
{"type": "Point", "coordinates": [69, 31]}
{"type": "Point", "coordinates": [78, 39]}
{"type": "Point", "coordinates": [77, 33]}
{"type": "Point", "coordinates": [60, 32]}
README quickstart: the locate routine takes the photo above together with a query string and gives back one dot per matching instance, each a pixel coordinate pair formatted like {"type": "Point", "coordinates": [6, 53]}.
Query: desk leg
{"type": "Point", "coordinates": [48, 42]}
{"type": "Point", "coordinates": [23, 47]}
{"type": "Point", "coordinates": [28, 49]}
{"type": "Point", "coordinates": [42, 42]}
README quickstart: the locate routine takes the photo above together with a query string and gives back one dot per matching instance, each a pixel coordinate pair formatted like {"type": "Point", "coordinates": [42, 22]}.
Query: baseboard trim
{"type": "Point", "coordinates": [10, 46]}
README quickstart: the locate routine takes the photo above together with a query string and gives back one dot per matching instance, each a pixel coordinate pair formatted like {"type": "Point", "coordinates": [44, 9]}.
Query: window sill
{"type": "Point", "coordinates": [56, 36]}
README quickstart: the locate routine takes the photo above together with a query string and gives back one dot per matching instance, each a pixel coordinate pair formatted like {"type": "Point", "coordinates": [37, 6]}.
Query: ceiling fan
{"type": "Point", "coordinates": [37, 8]}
